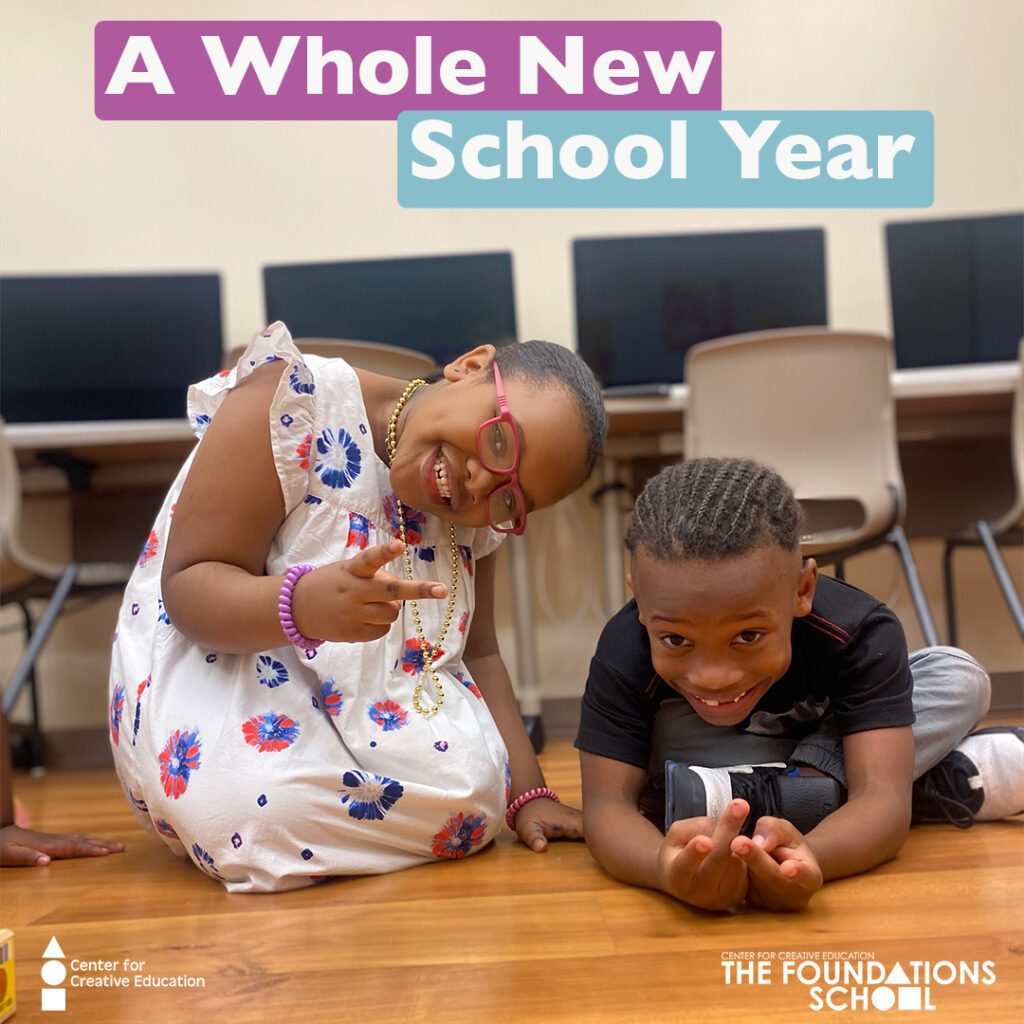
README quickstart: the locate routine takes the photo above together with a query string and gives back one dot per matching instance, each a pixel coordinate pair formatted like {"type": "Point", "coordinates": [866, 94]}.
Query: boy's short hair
{"type": "Point", "coordinates": [714, 508]}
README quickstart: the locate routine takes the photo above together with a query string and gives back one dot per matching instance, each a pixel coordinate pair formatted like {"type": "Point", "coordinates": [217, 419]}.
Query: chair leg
{"type": "Point", "coordinates": [840, 569]}
{"type": "Point", "coordinates": [38, 755]}
{"type": "Point", "coordinates": [35, 735]}
{"type": "Point", "coordinates": [25, 669]}
{"type": "Point", "coordinates": [1002, 574]}
{"type": "Point", "coordinates": [898, 539]}
{"type": "Point", "coordinates": [950, 591]}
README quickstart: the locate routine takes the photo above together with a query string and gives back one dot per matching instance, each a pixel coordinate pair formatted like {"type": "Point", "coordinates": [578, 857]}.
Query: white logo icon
{"type": "Point", "coordinates": [53, 973]}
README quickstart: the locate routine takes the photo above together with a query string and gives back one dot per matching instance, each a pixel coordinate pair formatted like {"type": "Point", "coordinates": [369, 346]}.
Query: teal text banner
{"type": "Point", "coordinates": [659, 159]}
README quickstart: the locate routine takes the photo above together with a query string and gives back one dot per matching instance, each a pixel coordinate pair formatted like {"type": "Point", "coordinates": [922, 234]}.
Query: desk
{"type": "Point", "coordinates": [931, 403]}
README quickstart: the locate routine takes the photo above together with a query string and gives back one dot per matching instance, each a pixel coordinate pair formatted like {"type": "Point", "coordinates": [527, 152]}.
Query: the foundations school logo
{"type": "Point", "coordinates": [854, 981]}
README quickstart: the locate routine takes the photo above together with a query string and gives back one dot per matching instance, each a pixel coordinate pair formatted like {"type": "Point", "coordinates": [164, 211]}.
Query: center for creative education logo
{"type": "Point", "coordinates": [854, 981]}
{"type": "Point", "coordinates": [53, 972]}
{"type": "Point", "coordinates": [119, 972]}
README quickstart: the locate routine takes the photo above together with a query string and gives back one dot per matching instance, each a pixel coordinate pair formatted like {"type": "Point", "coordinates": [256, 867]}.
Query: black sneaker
{"type": "Point", "coordinates": [982, 780]}
{"type": "Point", "coordinates": [695, 792]}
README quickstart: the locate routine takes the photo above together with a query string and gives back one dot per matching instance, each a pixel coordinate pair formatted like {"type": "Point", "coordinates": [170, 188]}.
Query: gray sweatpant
{"type": "Point", "coordinates": [951, 694]}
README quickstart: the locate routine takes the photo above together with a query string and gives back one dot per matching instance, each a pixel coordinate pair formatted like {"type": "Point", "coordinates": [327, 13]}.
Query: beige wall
{"type": "Point", "coordinates": [79, 194]}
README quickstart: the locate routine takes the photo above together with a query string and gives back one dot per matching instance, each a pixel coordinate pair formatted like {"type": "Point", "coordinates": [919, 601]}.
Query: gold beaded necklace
{"type": "Point", "coordinates": [429, 652]}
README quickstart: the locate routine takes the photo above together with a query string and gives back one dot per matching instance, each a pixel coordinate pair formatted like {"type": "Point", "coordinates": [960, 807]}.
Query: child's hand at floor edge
{"type": "Point", "coordinates": [782, 870]}
{"type": "Point", "coordinates": [22, 847]}
{"type": "Point", "coordinates": [542, 820]}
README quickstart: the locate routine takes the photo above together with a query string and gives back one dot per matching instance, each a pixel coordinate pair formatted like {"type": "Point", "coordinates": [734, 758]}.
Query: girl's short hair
{"type": "Point", "coordinates": [544, 363]}
{"type": "Point", "coordinates": [714, 508]}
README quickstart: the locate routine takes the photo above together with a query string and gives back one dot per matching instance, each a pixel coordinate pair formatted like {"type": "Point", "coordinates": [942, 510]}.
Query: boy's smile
{"type": "Point", "coordinates": [720, 630]}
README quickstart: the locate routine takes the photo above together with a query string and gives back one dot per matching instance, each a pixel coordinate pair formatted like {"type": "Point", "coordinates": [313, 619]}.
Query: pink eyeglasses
{"type": "Point", "coordinates": [497, 444]}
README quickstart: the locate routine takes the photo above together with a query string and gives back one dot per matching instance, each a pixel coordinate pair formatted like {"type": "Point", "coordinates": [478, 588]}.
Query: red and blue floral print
{"type": "Point", "coordinates": [358, 531]}
{"type": "Point", "coordinates": [270, 731]}
{"type": "Point", "coordinates": [116, 711]}
{"type": "Point", "coordinates": [178, 760]}
{"type": "Point", "coordinates": [388, 715]}
{"type": "Point", "coordinates": [414, 520]}
{"type": "Point", "coordinates": [458, 836]}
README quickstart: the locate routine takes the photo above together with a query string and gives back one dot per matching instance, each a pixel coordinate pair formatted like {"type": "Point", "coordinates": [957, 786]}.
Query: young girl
{"type": "Point", "coordinates": [305, 677]}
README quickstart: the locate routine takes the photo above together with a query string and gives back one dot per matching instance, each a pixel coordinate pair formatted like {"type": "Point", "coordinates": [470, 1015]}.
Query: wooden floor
{"type": "Point", "coordinates": [506, 936]}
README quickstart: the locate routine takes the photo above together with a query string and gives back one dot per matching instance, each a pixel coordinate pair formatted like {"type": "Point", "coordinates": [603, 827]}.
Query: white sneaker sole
{"type": "Point", "coordinates": [999, 757]}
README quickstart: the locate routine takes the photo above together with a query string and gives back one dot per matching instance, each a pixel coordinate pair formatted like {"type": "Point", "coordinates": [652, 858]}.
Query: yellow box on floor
{"type": "Point", "coordinates": [7, 1004]}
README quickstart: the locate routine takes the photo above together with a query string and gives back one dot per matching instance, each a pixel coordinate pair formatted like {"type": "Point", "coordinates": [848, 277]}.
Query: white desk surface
{"type": "Point", "coordinates": [96, 432]}
{"type": "Point", "coordinates": [927, 382]}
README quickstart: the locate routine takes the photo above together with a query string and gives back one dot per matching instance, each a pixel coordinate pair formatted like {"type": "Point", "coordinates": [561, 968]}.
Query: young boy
{"type": "Point", "coordinates": [742, 687]}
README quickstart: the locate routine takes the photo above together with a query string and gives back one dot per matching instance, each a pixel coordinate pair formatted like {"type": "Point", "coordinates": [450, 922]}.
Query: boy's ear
{"type": "Point", "coordinates": [469, 363]}
{"type": "Point", "coordinates": [805, 588]}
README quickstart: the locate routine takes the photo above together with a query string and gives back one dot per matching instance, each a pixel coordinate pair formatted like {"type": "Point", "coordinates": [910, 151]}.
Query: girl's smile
{"type": "Point", "coordinates": [439, 479]}
{"type": "Point", "coordinates": [438, 467]}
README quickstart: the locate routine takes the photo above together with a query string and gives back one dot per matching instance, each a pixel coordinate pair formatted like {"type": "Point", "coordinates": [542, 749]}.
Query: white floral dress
{"type": "Point", "coordinates": [278, 769]}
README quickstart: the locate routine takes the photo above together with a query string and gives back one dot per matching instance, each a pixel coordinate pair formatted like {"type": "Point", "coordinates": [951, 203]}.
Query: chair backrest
{"type": "Point", "coordinates": [1016, 514]}
{"type": "Point", "coordinates": [814, 404]}
{"type": "Point", "coordinates": [10, 492]}
{"type": "Point", "coordinates": [389, 360]}
{"type": "Point", "coordinates": [16, 560]}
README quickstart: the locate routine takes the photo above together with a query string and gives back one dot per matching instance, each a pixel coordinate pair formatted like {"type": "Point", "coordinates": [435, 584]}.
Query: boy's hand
{"type": "Point", "coordinates": [696, 863]}
{"type": "Point", "coordinates": [21, 847]}
{"type": "Point", "coordinates": [543, 819]}
{"type": "Point", "coordinates": [784, 873]}
{"type": "Point", "coordinates": [357, 600]}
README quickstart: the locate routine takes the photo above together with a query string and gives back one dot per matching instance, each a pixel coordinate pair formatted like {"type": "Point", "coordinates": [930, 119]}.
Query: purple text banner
{"type": "Point", "coordinates": [373, 70]}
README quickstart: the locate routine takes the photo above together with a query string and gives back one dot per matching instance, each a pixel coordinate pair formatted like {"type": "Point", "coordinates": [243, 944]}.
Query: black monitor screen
{"type": "Point", "coordinates": [643, 302]}
{"type": "Point", "coordinates": [956, 289]}
{"type": "Point", "coordinates": [441, 305]}
{"type": "Point", "coordinates": [105, 348]}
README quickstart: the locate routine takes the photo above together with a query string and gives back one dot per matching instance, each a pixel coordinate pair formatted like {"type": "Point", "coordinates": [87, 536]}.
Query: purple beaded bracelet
{"type": "Point", "coordinates": [284, 608]}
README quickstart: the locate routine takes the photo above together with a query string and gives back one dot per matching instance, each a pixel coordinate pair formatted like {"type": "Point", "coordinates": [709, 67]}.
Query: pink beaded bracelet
{"type": "Point", "coordinates": [525, 798]}
{"type": "Point", "coordinates": [284, 608]}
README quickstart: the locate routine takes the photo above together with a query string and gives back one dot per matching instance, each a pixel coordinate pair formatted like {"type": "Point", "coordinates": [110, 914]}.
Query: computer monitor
{"type": "Point", "coordinates": [105, 347]}
{"type": "Point", "coordinates": [643, 302]}
{"type": "Point", "coordinates": [956, 289]}
{"type": "Point", "coordinates": [441, 305]}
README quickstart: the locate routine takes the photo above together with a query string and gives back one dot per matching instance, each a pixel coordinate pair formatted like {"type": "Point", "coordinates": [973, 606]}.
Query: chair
{"type": "Point", "coordinates": [389, 360]}
{"type": "Point", "coordinates": [26, 576]}
{"type": "Point", "coordinates": [815, 405]}
{"type": "Point", "coordinates": [1008, 529]}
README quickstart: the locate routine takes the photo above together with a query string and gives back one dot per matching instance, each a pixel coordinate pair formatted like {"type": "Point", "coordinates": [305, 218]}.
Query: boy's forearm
{"type": "Point", "coordinates": [624, 843]}
{"type": "Point", "coordinates": [866, 831]}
